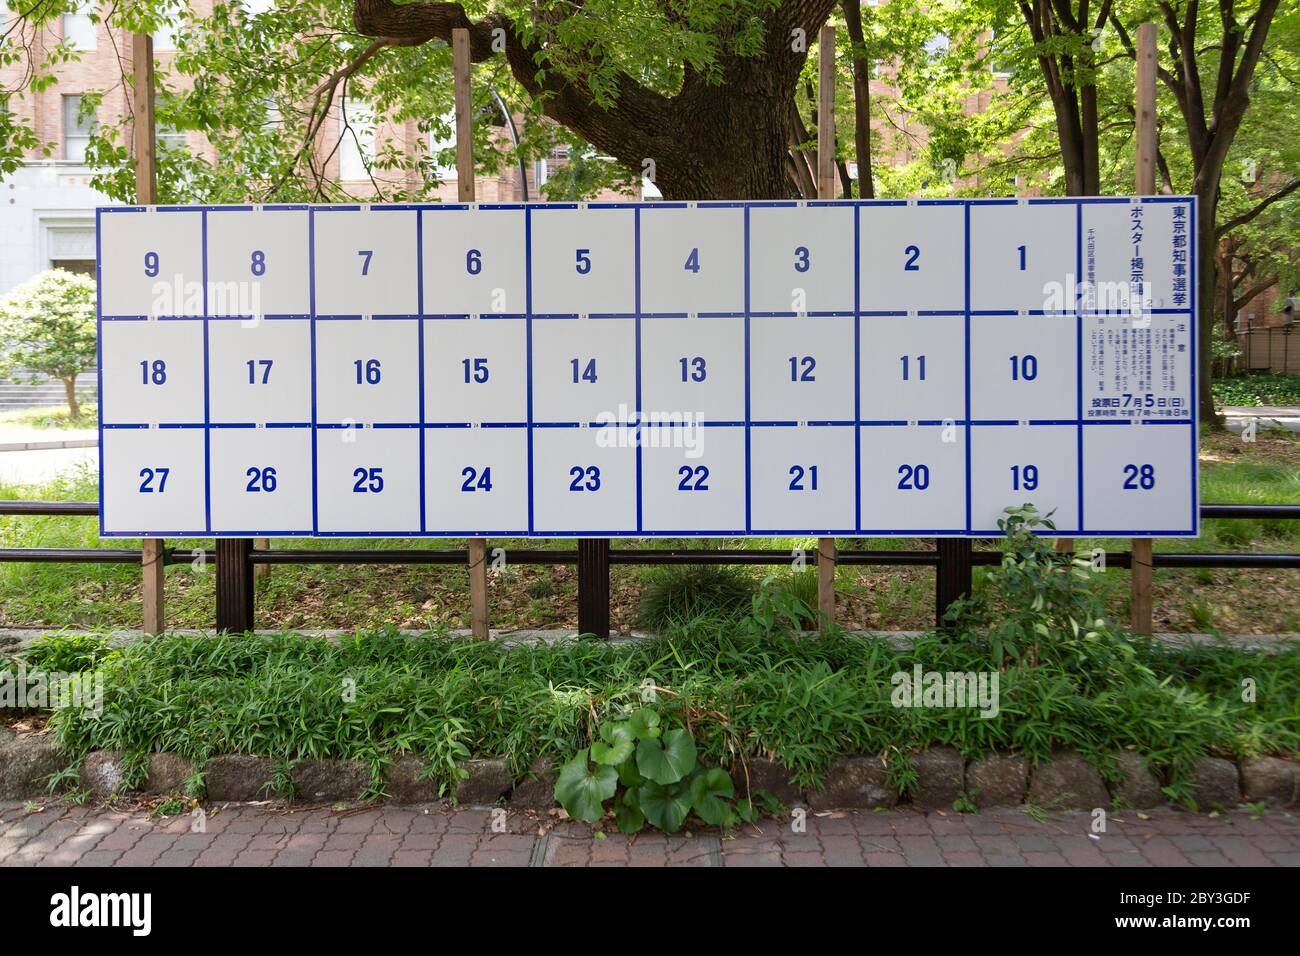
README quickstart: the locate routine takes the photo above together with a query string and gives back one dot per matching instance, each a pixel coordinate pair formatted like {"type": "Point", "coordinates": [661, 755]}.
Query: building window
{"type": "Point", "coordinates": [171, 137]}
{"type": "Point", "coordinates": [77, 130]}
{"type": "Point", "coordinates": [164, 38]}
{"type": "Point", "coordinates": [998, 69]}
{"type": "Point", "coordinates": [439, 144]}
{"type": "Point", "coordinates": [78, 30]}
{"type": "Point", "coordinates": [357, 147]}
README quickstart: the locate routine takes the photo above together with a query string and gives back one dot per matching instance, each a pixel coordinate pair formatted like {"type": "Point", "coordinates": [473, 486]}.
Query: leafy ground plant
{"type": "Point", "coordinates": [651, 771]}
{"type": "Point", "coordinates": [1260, 388]}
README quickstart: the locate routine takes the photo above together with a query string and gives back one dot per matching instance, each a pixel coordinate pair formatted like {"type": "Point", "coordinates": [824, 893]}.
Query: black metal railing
{"type": "Point", "coordinates": [952, 559]}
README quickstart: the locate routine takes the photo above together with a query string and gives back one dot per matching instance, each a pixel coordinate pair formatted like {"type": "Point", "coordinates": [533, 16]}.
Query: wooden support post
{"type": "Point", "coordinates": [826, 555]}
{"type": "Point", "coordinates": [1144, 182]}
{"type": "Point", "coordinates": [1145, 110]}
{"type": "Point", "coordinates": [1140, 583]}
{"type": "Point", "coordinates": [953, 576]}
{"type": "Point", "coordinates": [261, 571]}
{"type": "Point", "coordinates": [826, 113]}
{"type": "Point", "coordinates": [152, 550]}
{"type": "Point", "coordinates": [234, 585]}
{"type": "Point", "coordinates": [593, 587]}
{"type": "Point", "coordinates": [142, 119]}
{"type": "Point", "coordinates": [478, 592]}
{"type": "Point", "coordinates": [478, 581]}
{"type": "Point", "coordinates": [826, 550]}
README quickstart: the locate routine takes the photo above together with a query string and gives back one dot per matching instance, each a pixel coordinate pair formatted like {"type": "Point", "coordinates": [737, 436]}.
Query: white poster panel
{"type": "Point", "coordinates": [876, 368]}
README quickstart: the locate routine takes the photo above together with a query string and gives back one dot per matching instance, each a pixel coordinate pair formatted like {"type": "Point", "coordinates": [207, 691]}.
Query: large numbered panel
{"type": "Point", "coordinates": [893, 367]}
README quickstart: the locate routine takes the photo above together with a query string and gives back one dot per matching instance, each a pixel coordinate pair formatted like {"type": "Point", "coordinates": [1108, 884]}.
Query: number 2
{"type": "Point", "coordinates": [913, 253]}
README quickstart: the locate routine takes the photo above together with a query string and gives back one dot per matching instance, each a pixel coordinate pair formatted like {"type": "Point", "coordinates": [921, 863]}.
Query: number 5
{"type": "Point", "coordinates": [584, 261]}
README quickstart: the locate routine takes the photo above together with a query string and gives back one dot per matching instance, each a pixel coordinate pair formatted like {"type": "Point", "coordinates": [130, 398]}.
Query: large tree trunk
{"type": "Point", "coordinates": [726, 142]}
{"type": "Point", "coordinates": [861, 100]}
{"type": "Point", "coordinates": [1206, 249]}
{"type": "Point", "coordinates": [720, 137]}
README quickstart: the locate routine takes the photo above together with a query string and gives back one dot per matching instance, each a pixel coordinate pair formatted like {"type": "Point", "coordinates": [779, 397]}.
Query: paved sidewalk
{"type": "Point", "coordinates": [1266, 416]}
{"type": "Point", "coordinates": [37, 439]}
{"type": "Point", "coordinates": [257, 835]}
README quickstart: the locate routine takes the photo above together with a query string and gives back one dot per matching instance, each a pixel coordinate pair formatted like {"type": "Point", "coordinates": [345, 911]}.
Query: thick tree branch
{"type": "Point", "coordinates": [1245, 217]}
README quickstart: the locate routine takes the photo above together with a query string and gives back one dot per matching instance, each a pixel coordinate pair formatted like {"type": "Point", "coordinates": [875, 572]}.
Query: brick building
{"type": "Point", "coordinates": [47, 216]}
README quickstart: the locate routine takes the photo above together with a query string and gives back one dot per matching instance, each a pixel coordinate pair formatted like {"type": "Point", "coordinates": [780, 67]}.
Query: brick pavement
{"type": "Point", "coordinates": [257, 835]}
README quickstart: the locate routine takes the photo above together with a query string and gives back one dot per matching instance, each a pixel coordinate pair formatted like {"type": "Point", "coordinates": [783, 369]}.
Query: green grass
{"type": "Point", "coordinates": [677, 595]}
{"type": "Point", "coordinates": [50, 417]}
{"type": "Point", "coordinates": [801, 701]}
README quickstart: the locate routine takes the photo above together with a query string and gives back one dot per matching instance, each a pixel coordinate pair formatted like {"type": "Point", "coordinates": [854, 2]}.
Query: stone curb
{"type": "Point", "coordinates": [941, 778]}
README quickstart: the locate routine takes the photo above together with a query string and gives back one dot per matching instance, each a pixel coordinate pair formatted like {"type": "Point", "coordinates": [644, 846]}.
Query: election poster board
{"type": "Point", "coordinates": [840, 368]}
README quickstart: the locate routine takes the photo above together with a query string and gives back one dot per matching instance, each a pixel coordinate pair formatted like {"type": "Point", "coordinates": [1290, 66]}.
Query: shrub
{"type": "Point", "coordinates": [1042, 606]}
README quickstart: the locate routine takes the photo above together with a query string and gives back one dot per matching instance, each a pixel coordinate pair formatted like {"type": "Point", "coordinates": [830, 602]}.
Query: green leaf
{"type": "Point", "coordinates": [746, 812]}
{"type": "Point", "coordinates": [627, 813]}
{"type": "Point", "coordinates": [628, 775]}
{"type": "Point", "coordinates": [710, 791]}
{"type": "Point", "coordinates": [665, 807]}
{"type": "Point", "coordinates": [644, 723]}
{"type": "Point", "coordinates": [617, 743]}
{"type": "Point", "coordinates": [668, 760]}
{"type": "Point", "coordinates": [583, 793]}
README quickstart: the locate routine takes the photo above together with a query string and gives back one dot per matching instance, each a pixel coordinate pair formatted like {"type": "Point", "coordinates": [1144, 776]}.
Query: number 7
{"type": "Point", "coordinates": [365, 266]}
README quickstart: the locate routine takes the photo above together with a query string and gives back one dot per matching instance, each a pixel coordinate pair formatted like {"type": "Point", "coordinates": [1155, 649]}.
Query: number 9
{"type": "Point", "coordinates": [151, 264]}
